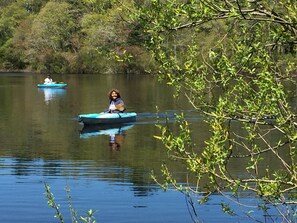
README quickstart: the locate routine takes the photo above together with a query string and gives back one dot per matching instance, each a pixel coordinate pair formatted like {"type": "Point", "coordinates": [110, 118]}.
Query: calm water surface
{"type": "Point", "coordinates": [42, 141]}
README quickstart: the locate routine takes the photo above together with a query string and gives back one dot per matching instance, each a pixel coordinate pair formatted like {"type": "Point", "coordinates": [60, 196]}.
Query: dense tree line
{"type": "Point", "coordinates": [60, 36]}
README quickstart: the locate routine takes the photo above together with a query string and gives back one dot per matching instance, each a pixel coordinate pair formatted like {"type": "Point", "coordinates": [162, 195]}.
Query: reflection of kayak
{"type": "Point", "coordinates": [95, 130]}
{"type": "Point", "coordinates": [55, 85]}
{"type": "Point", "coordinates": [107, 118]}
{"type": "Point", "coordinates": [51, 93]}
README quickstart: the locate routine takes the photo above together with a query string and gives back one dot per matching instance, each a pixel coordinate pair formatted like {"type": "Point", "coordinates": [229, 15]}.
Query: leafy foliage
{"type": "Point", "coordinates": [58, 214]}
{"type": "Point", "coordinates": [236, 80]}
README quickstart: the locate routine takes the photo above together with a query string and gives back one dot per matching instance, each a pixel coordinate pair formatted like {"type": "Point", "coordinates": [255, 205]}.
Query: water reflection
{"type": "Point", "coordinates": [41, 143]}
{"type": "Point", "coordinates": [116, 133]}
{"type": "Point", "coordinates": [116, 140]}
{"type": "Point", "coordinates": [51, 93]}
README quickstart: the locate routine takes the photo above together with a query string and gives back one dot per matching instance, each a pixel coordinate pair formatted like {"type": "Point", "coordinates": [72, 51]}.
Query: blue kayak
{"type": "Point", "coordinates": [54, 85]}
{"type": "Point", "coordinates": [107, 118]}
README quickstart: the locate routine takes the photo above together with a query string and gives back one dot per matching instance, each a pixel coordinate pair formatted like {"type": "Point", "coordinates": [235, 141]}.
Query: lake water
{"type": "Point", "coordinates": [41, 141]}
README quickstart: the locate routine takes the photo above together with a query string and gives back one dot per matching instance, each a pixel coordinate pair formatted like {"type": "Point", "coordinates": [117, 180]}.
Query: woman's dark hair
{"type": "Point", "coordinates": [114, 90]}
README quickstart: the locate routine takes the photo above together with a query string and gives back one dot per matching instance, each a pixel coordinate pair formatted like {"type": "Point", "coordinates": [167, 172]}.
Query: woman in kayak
{"type": "Point", "coordinates": [116, 103]}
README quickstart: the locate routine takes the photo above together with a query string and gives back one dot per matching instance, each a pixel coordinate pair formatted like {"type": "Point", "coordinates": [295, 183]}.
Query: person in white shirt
{"type": "Point", "coordinates": [48, 80]}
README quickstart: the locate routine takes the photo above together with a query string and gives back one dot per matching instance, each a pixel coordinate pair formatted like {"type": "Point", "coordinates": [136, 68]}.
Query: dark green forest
{"type": "Point", "coordinates": [71, 36]}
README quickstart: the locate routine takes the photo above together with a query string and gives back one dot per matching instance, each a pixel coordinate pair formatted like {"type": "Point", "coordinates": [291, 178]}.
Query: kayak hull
{"type": "Point", "coordinates": [56, 85]}
{"type": "Point", "coordinates": [107, 118]}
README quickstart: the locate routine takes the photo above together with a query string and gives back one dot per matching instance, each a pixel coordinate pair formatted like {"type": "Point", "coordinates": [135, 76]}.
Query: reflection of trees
{"type": "Point", "coordinates": [139, 179]}
{"type": "Point", "coordinates": [21, 167]}
{"type": "Point", "coordinates": [142, 185]}
{"type": "Point", "coordinates": [52, 169]}
{"type": "Point", "coordinates": [27, 167]}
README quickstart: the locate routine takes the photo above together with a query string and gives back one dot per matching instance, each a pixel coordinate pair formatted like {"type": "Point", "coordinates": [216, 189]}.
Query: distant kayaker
{"type": "Point", "coordinates": [48, 80]}
{"type": "Point", "coordinates": [116, 103]}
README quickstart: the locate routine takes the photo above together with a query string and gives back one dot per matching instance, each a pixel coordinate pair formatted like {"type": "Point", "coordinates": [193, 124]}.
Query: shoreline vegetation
{"type": "Point", "coordinates": [16, 71]}
{"type": "Point", "coordinates": [72, 37]}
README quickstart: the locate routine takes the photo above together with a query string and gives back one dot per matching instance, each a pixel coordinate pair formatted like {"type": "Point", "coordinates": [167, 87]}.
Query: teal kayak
{"type": "Point", "coordinates": [107, 118]}
{"type": "Point", "coordinates": [55, 85]}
